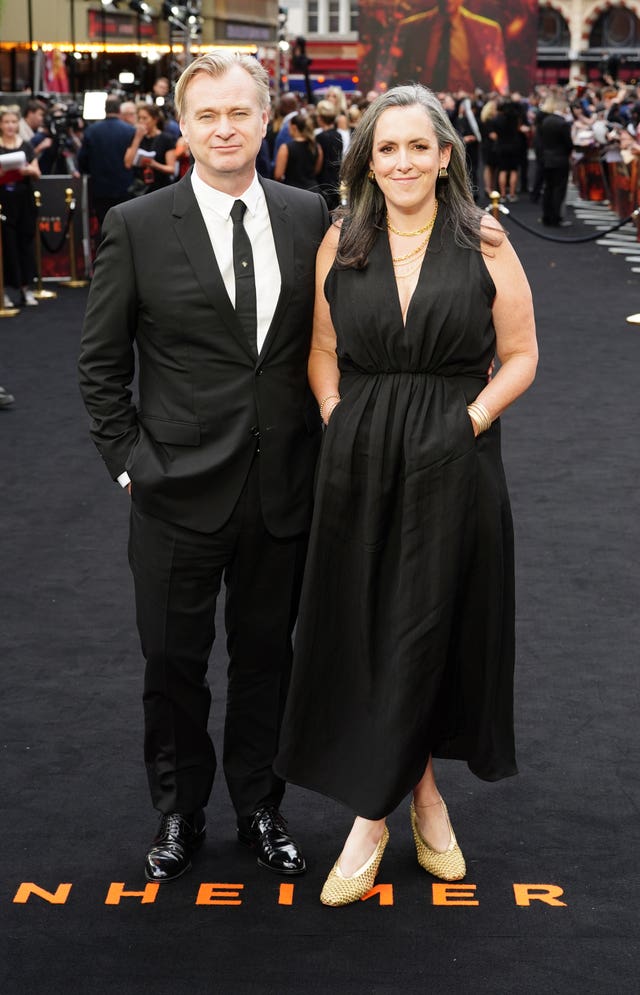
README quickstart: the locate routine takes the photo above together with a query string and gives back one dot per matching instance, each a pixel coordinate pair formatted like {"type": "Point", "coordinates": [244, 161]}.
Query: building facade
{"type": "Point", "coordinates": [93, 42]}
{"type": "Point", "coordinates": [575, 37]}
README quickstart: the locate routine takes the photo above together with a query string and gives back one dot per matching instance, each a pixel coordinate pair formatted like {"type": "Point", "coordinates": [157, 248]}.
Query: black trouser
{"type": "Point", "coordinates": [536, 189]}
{"type": "Point", "coordinates": [18, 235]}
{"type": "Point", "coordinates": [177, 575]}
{"type": "Point", "coordinates": [556, 179]}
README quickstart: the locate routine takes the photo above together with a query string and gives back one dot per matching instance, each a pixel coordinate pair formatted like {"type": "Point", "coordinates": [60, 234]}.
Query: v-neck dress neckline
{"type": "Point", "coordinates": [404, 317]}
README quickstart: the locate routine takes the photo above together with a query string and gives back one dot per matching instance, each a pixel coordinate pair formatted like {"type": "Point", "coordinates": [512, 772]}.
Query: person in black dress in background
{"type": "Point", "coordinates": [330, 141]}
{"type": "Point", "coordinates": [158, 170]}
{"type": "Point", "coordinates": [405, 641]}
{"type": "Point", "coordinates": [18, 206]}
{"type": "Point", "coordinates": [507, 129]}
{"type": "Point", "coordinates": [299, 161]}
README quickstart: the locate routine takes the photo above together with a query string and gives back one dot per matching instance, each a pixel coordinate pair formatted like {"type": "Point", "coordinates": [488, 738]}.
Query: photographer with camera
{"type": "Point", "coordinates": [63, 124]}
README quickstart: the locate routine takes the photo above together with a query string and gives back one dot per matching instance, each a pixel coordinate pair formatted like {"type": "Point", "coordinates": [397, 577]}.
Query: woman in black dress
{"type": "Point", "coordinates": [330, 141]}
{"type": "Point", "coordinates": [18, 207]}
{"type": "Point", "coordinates": [157, 170]}
{"type": "Point", "coordinates": [507, 127]}
{"type": "Point", "coordinates": [405, 641]}
{"type": "Point", "coordinates": [489, 145]}
{"type": "Point", "coordinates": [299, 161]}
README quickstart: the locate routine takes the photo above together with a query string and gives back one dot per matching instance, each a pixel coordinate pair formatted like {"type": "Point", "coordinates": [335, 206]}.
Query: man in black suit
{"type": "Point", "coordinates": [102, 156]}
{"type": "Point", "coordinates": [213, 279]}
{"type": "Point", "coordinates": [556, 145]}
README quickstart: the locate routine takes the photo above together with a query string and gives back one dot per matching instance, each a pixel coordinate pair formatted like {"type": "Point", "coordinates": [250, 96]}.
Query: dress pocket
{"type": "Point", "coordinates": [467, 435]}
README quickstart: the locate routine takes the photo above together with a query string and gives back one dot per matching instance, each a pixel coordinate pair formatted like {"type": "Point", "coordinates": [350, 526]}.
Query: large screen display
{"type": "Point", "coordinates": [448, 45]}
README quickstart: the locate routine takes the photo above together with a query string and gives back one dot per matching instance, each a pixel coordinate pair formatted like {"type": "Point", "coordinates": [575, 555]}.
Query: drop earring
{"type": "Point", "coordinates": [443, 174]}
{"type": "Point", "coordinates": [371, 176]}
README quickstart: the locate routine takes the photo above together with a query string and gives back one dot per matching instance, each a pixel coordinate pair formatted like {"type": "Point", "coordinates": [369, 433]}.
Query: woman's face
{"type": "Point", "coordinates": [405, 157]}
{"type": "Point", "coordinates": [9, 125]}
{"type": "Point", "coordinates": [145, 119]}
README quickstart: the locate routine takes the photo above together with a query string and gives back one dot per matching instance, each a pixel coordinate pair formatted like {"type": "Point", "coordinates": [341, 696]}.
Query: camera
{"type": "Point", "coordinates": [62, 118]}
{"type": "Point", "coordinates": [63, 122]}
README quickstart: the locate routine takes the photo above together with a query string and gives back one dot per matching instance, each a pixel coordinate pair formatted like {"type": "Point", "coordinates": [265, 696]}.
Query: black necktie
{"type": "Point", "coordinates": [245, 276]}
{"type": "Point", "coordinates": [440, 79]}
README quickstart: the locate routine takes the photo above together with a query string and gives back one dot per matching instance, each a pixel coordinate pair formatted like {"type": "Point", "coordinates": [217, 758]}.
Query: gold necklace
{"type": "Point", "coordinates": [396, 260]}
{"type": "Point", "coordinates": [419, 231]}
{"type": "Point", "coordinates": [410, 272]}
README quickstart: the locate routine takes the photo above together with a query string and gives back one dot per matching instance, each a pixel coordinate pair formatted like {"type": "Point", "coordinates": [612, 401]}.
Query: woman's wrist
{"type": "Point", "coordinates": [327, 404]}
{"type": "Point", "coordinates": [479, 416]}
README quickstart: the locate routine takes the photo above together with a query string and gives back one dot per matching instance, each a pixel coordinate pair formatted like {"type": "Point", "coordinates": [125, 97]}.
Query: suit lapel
{"type": "Point", "coordinates": [192, 233]}
{"type": "Point", "coordinates": [282, 228]}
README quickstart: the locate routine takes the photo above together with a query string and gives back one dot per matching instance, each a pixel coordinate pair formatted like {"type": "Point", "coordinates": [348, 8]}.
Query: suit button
{"type": "Point", "coordinates": [259, 373]}
{"type": "Point", "coordinates": [254, 431]}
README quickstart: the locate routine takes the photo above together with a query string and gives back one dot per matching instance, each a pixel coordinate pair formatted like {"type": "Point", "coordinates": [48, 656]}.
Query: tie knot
{"type": "Point", "coordinates": [237, 211]}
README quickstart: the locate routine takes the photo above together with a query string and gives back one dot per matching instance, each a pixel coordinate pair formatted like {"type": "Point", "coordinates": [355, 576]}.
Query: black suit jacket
{"type": "Point", "coordinates": [555, 141]}
{"type": "Point", "coordinates": [205, 399]}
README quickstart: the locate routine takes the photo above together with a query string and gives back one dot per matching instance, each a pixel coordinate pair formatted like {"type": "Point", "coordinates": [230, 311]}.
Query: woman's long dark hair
{"type": "Point", "coordinates": [365, 211]}
{"type": "Point", "coordinates": [305, 127]}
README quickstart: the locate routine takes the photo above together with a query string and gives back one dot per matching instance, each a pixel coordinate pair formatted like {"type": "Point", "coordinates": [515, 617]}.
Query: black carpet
{"type": "Point", "coordinates": [74, 797]}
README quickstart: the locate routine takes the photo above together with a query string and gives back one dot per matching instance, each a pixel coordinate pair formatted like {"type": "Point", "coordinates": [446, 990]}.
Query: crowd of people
{"type": "Point", "coordinates": [515, 144]}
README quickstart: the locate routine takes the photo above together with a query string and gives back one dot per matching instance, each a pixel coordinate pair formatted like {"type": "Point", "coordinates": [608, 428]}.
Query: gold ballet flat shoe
{"type": "Point", "coordinates": [448, 865]}
{"type": "Point", "coordinates": [340, 890]}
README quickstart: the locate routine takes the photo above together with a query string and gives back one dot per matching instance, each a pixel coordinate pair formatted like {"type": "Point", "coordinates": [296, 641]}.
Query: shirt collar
{"type": "Point", "coordinates": [207, 196]}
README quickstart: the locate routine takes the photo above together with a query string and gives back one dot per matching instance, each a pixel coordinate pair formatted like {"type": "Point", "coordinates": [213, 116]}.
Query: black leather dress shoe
{"type": "Point", "coordinates": [266, 831]}
{"type": "Point", "coordinates": [178, 837]}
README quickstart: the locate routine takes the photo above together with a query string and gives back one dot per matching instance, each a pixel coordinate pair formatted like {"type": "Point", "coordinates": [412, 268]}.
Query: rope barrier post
{"type": "Point", "coordinates": [5, 312]}
{"type": "Point", "coordinates": [40, 294]}
{"type": "Point", "coordinates": [494, 197]}
{"type": "Point", "coordinates": [71, 204]}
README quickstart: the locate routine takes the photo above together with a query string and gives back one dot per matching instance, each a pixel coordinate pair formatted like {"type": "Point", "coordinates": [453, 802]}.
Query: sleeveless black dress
{"type": "Point", "coordinates": [405, 639]}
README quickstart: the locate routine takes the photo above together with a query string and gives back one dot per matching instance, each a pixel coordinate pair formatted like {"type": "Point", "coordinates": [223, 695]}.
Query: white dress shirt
{"type": "Point", "coordinates": [215, 208]}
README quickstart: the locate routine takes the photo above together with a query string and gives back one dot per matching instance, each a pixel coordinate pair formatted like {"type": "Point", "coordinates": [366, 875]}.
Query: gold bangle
{"type": "Point", "coordinates": [484, 411]}
{"type": "Point", "coordinates": [329, 397]}
{"type": "Point", "coordinates": [480, 415]}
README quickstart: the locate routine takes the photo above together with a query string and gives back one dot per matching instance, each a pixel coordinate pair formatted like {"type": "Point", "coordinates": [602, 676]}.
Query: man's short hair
{"type": "Point", "coordinates": [112, 105]}
{"type": "Point", "coordinates": [218, 63]}
{"type": "Point", "coordinates": [33, 105]}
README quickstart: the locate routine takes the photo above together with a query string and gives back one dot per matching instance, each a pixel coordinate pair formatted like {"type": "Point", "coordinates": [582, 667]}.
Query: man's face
{"type": "Point", "coordinates": [128, 112]}
{"type": "Point", "coordinates": [224, 125]}
{"type": "Point", "coordinates": [35, 118]}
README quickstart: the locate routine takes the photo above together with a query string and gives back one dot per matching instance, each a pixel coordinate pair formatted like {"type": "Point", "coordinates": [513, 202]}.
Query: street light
{"type": "Point", "coordinates": [185, 18]}
{"type": "Point", "coordinates": [282, 46]}
{"type": "Point", "coordinates": [142, 9]}
{"type": "Point", "coordinates": [302, 63]}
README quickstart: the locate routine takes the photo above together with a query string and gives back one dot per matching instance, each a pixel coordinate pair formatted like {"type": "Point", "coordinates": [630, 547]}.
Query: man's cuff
{"type": "Point", "coordinates": [124, 479]}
